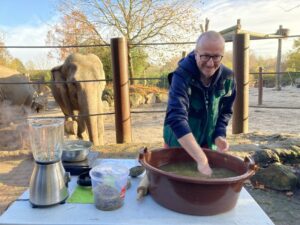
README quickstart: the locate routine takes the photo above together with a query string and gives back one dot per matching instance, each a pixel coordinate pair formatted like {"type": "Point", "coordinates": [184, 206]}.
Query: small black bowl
{"type": "Point", "coordinates": [84, 179]}
{"type": "Point", "coordinates": [136, 171]}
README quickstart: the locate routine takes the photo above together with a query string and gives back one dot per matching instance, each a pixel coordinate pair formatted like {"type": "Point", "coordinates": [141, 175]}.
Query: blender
{"type": "Point", "coordinates": [49, 181]}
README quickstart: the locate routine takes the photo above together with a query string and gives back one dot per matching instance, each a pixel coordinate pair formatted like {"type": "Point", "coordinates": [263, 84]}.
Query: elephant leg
{"type": "Point", "coordinates": [85, 136]}
{"type": "Point", "coordinates": [100, 122]}
{"type": "Point", "coordinates": [87, 101]}
{"type": "Point", "coordinates": [28, 101]}
{"type": "Point", "coordinates": [82, 131]}
{"type": "Point", "coordinates": [71, 126]}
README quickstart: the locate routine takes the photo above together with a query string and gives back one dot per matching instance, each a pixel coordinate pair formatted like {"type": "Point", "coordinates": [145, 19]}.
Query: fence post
{"type": "Point", "coordinates": [121, 90]}
{"type": "Point", "coordinates": [278, 62]}
{"type": "Point", "coordinates": [241, 71]}
{"type": "Point", "coordinates": [260, 86]}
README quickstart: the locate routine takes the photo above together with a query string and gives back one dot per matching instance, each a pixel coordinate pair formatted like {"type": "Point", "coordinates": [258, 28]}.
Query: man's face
{"type": "Point", "coordinates": [209, 55]}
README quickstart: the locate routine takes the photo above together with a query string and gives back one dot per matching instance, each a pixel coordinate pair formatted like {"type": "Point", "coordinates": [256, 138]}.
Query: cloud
{"type": "Point", "coordinates": [263, 16]}
{"type": "Point", "coordinates": [29, 35]}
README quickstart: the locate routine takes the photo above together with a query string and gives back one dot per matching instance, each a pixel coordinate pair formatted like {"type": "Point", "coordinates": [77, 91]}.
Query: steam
{"type": "Point", "coordinates": [13, 126]}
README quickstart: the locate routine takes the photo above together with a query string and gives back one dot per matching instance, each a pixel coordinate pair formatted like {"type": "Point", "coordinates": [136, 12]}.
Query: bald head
{"type": "Point", "coordinates": [211, 36]}
{"type": "Point", "coordinates": [209, 53]}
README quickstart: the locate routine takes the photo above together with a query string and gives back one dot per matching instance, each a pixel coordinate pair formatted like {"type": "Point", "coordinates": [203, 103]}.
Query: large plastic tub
{"type": "Point", "coordinates": [190, 195]}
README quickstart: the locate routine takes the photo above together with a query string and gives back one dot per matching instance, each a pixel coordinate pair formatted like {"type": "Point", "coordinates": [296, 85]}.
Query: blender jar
{"type": "Point", "coordinates": [46, 139]}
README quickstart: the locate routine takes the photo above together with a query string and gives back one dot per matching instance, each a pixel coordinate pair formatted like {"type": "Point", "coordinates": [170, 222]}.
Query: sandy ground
{"type": "Point", "coordinates": [147, 129]}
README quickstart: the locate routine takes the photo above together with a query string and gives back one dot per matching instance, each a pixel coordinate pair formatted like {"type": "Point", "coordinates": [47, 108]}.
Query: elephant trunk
{"type": "Point", "coordinates": [90, 102]}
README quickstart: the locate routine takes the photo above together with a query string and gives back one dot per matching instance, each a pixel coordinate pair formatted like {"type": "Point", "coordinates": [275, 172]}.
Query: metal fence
{"type": "Point", "coordinates": [162, 82]}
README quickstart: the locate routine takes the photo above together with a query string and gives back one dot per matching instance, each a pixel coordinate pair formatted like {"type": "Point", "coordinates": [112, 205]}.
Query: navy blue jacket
{"type": "Point", "coordinates": [204, 111]}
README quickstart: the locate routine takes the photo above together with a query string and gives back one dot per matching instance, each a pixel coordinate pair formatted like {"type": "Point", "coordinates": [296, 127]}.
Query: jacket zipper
{"type": "Point", "coordinates": [205, 95]}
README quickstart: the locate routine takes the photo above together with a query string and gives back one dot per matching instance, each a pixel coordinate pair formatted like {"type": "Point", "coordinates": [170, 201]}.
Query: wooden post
{"type": "Point", "coordinates": [260, 86]}
{"type": "Point", "coordinates": [278, 63]}
{"type": "Point", "coordinates": [241, 71]}
{"type": "Point", "coordinates": [121, 89]}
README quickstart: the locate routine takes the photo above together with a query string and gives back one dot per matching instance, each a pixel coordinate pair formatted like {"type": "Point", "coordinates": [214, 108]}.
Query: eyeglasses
{"type": "Point", "coordinates": [215, 58]}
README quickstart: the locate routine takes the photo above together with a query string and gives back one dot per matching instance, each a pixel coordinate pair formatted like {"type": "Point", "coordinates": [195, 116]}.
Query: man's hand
{"type": "Point", "coordinates": [204, 169]}
{"type": "Point", "coordinates": [188, 142]}
{"type": "Point", "coordinates": [222, 144]}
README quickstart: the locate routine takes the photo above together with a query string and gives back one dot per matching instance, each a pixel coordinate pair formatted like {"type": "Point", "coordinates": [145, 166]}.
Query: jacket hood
{"type": "Point", "coordinates": [189, 64]}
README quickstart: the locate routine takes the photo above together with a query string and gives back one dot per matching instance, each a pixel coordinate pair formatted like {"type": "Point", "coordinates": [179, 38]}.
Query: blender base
{"type": "Point", "coordinates": [48, 184]}
{"type": "Point", "coordinates": [44, 206]}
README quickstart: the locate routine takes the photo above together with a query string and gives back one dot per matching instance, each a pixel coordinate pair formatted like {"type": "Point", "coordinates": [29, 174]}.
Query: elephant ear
{"type": "Point", "coordinates": [55, 72]}
{"type": "Point", "coordinates": [69, 71]}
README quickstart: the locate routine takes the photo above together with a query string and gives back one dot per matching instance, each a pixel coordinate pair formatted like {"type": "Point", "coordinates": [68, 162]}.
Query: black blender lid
{"type": "Point", "coordinates": [84, 179]}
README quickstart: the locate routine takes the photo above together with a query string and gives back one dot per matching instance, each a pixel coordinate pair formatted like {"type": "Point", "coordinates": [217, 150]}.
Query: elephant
{"type": "Point", "coordinates": [15, 94]}
{"type": "Point", "coordinates": [81, 98]}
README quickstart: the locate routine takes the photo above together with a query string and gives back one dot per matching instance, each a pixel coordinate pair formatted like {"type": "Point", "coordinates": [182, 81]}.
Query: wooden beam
{"type": "Point", "coordinates": [230, 29]}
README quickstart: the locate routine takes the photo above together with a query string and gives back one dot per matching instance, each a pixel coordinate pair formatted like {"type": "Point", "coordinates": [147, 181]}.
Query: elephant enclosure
{"type": "Point", "coordinates": [280, 115]}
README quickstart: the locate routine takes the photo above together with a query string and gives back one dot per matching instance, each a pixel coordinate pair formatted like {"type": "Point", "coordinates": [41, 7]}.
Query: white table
{"type": "Point", "coordinates": [145, 212]}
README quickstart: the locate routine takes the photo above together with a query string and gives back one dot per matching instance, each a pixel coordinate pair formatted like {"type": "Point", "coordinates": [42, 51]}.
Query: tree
{"type": "Point", "coordinates": [16, 64]}
{"type": "Point", "coordinates": [5, 56]}
{"type": "Point", "coordinates": [139, 57]}
{"type": "Point", "coordinates": [139, 21]}
{"type": "Point", "coordinates": [293, 57]}
{"type": "Point", "coordinates": [30, 66]}
{"type": "Point", "coordinates": [227, 59]}
{"type": "Point", "coordinates": [171, 65]}
{"type": "Point", "coordinates": [74, 29]}
{"type": "Point", "coordinates": [7, 60]}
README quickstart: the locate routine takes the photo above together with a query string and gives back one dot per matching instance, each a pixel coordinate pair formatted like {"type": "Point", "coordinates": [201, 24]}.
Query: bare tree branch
{"type": "Point", "coordinates": [137, 20]}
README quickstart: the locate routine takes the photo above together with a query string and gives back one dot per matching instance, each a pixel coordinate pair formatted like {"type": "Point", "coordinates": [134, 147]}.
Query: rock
{"type": "Point", "coordinates": [150, 98]}
{"type": "Point", "coordinates": [277, 137]}
{"type": "Point", "coordinates": [162, 98]}
{"type": "Point", "coordinates": [244, 147]}
{"type": "Point", "coordinates": [298, 184]}
{"type": "Point", "coordinates": [296, 149]}
{"type": "Point", "coordinates": [276, 176]}
{"type": "Point", "coordinates": [287, 155]}
{"type": "Point", "coordinates": [136, 99]}
{"type": "Point", "coordinates": [265, 157]}
{"type": "Point", "coordinates": [108, 95]}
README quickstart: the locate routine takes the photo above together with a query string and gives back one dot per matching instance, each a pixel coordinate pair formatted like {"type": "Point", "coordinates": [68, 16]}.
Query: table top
{"type": "Point", "coordinates": [133, 212]}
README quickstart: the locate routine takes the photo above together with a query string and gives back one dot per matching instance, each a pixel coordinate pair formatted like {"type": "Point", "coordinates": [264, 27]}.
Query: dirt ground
{"type": "Point", "coordinates": [264, 124]}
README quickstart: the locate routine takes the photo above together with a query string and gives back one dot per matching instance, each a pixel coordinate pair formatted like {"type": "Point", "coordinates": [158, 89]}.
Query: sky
{"type": "Point", "coordinates": [26, 22]}
{"type": "Point", "coordinates": [263, 16]}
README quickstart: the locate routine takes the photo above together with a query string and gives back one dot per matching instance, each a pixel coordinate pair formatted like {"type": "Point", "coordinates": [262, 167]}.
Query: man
{"type": "Point", "coordinates": [201, 96]}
